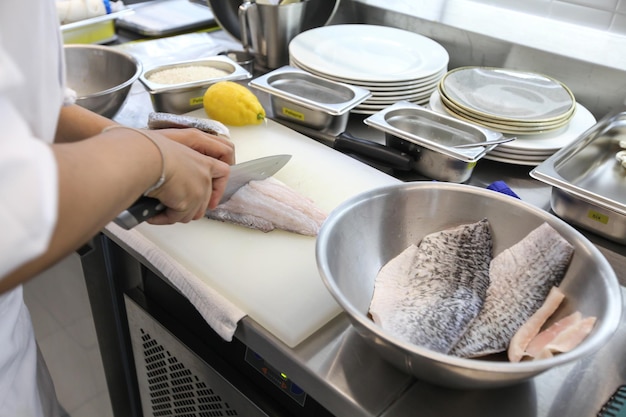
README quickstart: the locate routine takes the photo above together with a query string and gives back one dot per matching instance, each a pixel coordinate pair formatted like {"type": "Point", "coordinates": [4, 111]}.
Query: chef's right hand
{"type": "Point", "coordinates": [194, 182]}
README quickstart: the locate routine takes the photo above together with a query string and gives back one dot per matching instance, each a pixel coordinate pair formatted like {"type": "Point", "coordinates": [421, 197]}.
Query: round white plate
{"type": "Point", "coordinates": [375, 109]}
{"type": "Point", "coordinates": [513, 161]}
{"type": "Point", "coordinates": [523, 152]}
{"type": "Point", "coordinates": [395, 93]}
{"type": "Point", "coordinates": [526, 158]}
{"type": "Point", "coordinates": [545, 142]}
{"type": "Point", "coordinates": [507, 94]}
{"type": "Point", "coordinates": [423, 95]}
{"type": "Point", "coordinates": [368, 53]}
{"type": "Point", "coordinates": [432, 79]}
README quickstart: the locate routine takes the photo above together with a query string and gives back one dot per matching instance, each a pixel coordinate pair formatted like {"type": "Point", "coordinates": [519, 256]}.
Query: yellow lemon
{"type": "Point", "coordinates": [232, 104]}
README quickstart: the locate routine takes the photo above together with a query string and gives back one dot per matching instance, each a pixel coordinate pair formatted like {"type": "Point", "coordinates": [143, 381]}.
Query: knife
{"type": "Point", "coordinates": [240, 175]}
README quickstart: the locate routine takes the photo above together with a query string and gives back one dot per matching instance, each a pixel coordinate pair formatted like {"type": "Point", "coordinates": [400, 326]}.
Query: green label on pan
{"type": "Point", "coordinates": [195, 101]}
{"type": "Point", "coordinates": [599, 217]}
{"type": "Point", "coordinates": [292, 113]}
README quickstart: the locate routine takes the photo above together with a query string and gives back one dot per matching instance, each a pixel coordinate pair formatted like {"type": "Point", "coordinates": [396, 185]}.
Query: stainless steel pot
{"type": "Point", "coordinates": [268, 29]}
{"type": "Point", "coordinates": [319, 13]}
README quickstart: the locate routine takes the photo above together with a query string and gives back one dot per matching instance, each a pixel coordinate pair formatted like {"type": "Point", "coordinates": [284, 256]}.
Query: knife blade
{"type": "Point", "coordinates": [240, 174]}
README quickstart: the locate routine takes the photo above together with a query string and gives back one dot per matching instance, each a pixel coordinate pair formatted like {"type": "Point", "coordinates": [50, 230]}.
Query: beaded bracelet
{"type": "Point", "coordinates": [161, 179]}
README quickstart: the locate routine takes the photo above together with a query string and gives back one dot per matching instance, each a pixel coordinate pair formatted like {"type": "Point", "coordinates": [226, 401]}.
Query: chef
{"type": "Point", "coordinates": [65, 173]}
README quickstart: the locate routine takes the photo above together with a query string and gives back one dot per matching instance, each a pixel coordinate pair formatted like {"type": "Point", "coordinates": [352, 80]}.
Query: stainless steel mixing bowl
{"type": "Point", "coordinates": [366, 231]}
{"type": "Point", "coordinates": [101, 76]}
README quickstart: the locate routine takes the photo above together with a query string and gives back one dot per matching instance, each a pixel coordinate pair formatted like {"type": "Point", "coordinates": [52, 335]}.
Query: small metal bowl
{"type": "Point", "coordinates": [369, 229]}
{"type": "Point", "coordinates": [101, 76]}
{"type": "Point", "coordinates": [184, 97]}
{"type": "Point", "coordinates": [430, 137]}
{"type": "Point", "coordinates": [308, 100]}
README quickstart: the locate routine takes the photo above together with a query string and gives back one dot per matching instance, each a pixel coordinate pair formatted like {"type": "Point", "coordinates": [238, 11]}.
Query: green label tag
{"type": "Point", "coordinates": [292, 113]}
{"type": "Point", "coordinates": [599, 217]}
{"type": "Point", "coordinates": [196, 100]}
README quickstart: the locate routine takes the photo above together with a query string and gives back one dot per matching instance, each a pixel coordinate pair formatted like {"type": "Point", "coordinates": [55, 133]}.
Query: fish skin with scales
{"type": "Point", "coordinates": [161, 120]}
{"type": "Point", "coordinates": [429, 294]}
{"type": "Point", "coordinates": [521, 278]}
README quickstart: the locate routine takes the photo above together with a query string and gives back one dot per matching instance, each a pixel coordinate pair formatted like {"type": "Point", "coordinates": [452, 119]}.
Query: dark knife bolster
{"type": "Point", "coordinates": [141, 210]}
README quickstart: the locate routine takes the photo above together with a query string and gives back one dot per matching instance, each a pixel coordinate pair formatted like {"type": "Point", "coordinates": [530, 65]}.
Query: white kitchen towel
{"type": "Point", "coordinates": [221, 314]}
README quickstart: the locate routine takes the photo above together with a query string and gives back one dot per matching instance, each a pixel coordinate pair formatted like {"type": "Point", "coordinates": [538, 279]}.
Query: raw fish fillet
{"type": "Point", "coordinates": [530, 329]}
{"type": "Point", "coordinates": [269, 204]}
{"type": "Point", "coordinates": [159, 120]}
{"type": "Point", "coordinates": [430, 293]}
{"type": "Point", "coordinates": [521, 278]}
{"type": "Point", "coordinates": [562, 336]}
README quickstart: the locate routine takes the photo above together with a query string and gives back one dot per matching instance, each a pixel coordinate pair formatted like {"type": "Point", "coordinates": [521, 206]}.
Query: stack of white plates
{"type": "Point", "coordinates": [393, 64]}
{"type": "Point", "coordinates": [514, 102]}
{"type": "Point", "coordinates": [532, 149]}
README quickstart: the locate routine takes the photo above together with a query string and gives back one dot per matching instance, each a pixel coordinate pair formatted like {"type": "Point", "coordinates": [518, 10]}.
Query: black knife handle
{"type": "Point", "coordinates": [141, 210]}
{"type": "Point", "coordinates": [389, 157]}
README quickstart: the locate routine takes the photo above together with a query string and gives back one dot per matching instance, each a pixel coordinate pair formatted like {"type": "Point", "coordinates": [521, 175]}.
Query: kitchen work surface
{"type": "Point", "coordinates": [329, 364]}
{"type": "Point", "coordinates": [271, 276]}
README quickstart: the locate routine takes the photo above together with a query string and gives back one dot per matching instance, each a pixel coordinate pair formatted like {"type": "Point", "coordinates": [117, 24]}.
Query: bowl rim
{"type": "Point", "coordinates": [128, 82]}
{"type": "Point", "coordinates": [604, 330]}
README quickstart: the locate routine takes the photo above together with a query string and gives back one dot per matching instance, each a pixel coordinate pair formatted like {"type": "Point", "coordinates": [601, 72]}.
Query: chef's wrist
{"type": "Point", "coordinates": [161, 180]}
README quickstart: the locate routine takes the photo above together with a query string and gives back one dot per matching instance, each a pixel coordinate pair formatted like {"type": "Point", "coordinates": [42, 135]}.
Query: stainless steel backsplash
{"type": "Point", "coordinates": [599, 86]}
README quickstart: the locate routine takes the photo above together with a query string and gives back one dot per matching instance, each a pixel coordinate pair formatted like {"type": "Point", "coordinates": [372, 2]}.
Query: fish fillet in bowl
{"type": "Point", "coordinates": [366, 232]}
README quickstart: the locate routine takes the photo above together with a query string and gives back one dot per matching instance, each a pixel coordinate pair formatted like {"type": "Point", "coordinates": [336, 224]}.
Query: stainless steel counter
{"type": "Point", "coordinates": [347, 377]}
{"type": "Point", "coordinates": [336, 365]}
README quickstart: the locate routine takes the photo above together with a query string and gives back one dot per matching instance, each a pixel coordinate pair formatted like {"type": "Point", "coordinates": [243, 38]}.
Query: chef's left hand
{"type": "Point", "coordinates": [205, 143]}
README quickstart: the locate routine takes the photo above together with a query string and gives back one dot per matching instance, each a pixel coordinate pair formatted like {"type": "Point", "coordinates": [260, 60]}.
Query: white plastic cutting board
{"type": "Point", "coordinates": [273, 276]}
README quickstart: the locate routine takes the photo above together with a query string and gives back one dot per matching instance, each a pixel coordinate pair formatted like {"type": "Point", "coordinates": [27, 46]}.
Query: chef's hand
{"type": "Point", "coordinates": [207, 144]}
{"type": "Point", "coordinates": [194, 181]}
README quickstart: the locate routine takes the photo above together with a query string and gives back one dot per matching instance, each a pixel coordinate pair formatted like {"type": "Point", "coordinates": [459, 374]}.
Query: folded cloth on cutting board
{"type": "Point", "coordinates": [219, 313]}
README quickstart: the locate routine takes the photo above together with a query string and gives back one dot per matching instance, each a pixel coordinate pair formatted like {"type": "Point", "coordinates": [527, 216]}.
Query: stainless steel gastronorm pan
{"type": "Point", "coordinates": [589, 185]}
{"type": "Point", "coordinates": [184, 97]}
{"type": "Point", "coordinates": [430, 138]}
{"type": "Point", "coordinates": [311, 101]}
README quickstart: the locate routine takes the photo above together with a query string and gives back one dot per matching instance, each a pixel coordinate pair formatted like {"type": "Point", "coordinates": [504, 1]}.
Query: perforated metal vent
{"type": "Point", "coordinates": [173, 380]}
{"type": "Point", "coordinates": [174, 389]}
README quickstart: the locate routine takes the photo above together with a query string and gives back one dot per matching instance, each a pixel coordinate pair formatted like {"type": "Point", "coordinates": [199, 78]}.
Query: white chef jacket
{"type": "Point", "coordinates": [31, 94]}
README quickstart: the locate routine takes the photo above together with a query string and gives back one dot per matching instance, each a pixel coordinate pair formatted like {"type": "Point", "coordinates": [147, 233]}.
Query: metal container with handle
{"type": "Point", "coordinates": [268, 29]}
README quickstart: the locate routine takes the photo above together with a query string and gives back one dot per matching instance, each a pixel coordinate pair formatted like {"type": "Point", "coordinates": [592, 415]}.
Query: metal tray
{"type": "Point", "coordinates": [98, 30]}
{"type": "Point", "coordinates": [589, 184]}
{"type": "Point", "coordinates": [166, 17]}
{"type": "Point", "coordinates": [430, 137]}
{"type": "Point", "coordinates": [184, 97]}
{"type": "Point", "coordinates": [431, 130]}
{"type": "Point", "coordinates": [311, 101]}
